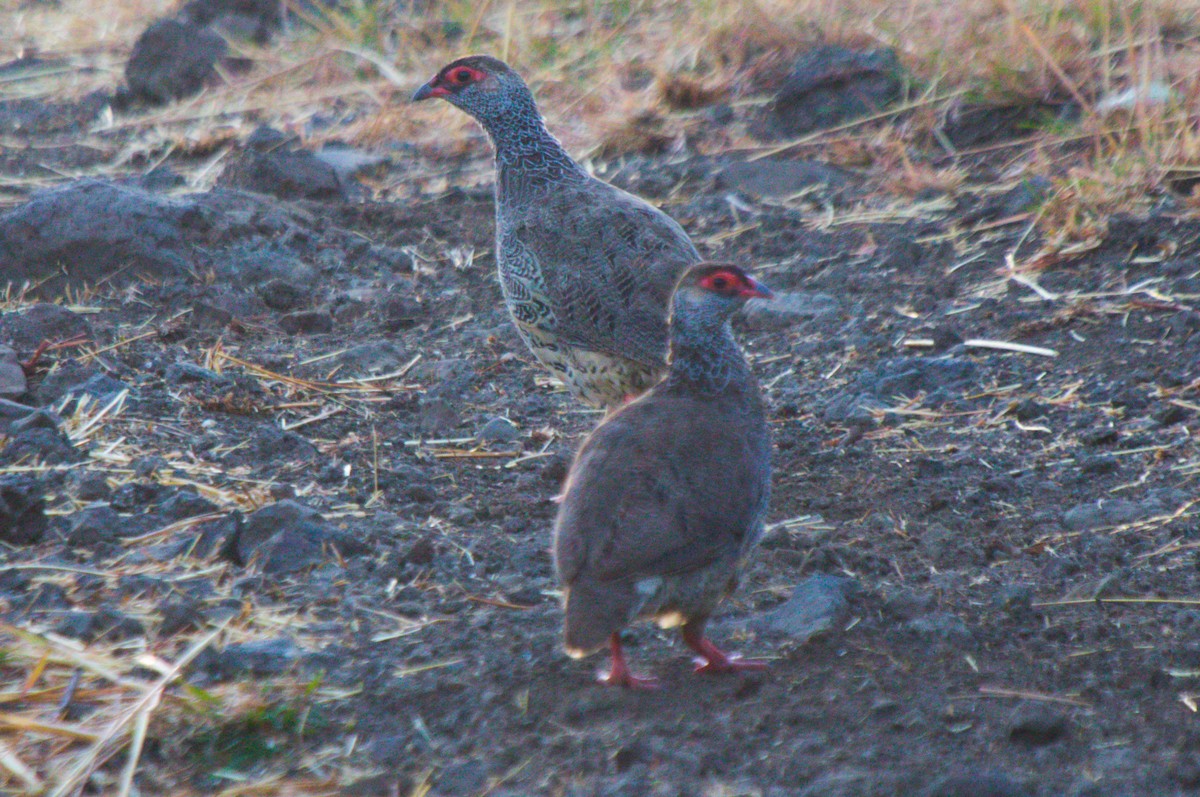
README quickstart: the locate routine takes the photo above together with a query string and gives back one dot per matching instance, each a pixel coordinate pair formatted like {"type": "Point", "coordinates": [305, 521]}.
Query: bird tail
{"type": "Point", "coordinates": [594, 612]}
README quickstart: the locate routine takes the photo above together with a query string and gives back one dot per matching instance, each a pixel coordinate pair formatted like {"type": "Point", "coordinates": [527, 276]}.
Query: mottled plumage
{"type": "Point", "coordinates": [666, 498]}
{"type": "Point", "coordinates": [586, 268]}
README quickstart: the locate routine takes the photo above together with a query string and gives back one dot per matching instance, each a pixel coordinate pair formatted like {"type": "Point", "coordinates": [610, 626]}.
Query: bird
{"type": "Point", "coordinates": [665, 500]}
{"type": "Point", "coordinates": [586, 269]}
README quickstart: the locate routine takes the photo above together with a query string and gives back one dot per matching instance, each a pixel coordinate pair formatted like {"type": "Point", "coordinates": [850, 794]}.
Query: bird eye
{"type": "Point", "coordinates": [462, 76]}
{"type": "Point", "coordinates": [720, 283]}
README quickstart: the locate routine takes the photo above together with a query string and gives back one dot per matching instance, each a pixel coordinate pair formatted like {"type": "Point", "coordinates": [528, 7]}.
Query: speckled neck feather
{"type": "Point", "coordinates": [529, 160]}
{"type": "Point", "coordinates": [704, 354]}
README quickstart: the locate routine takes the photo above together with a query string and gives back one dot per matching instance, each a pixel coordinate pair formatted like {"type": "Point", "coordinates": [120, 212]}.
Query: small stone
{"type": "Point", "coordinates": [89, 485]}
{"type": "Point", "coordinates": [1099, 465]}
{"type": "Point", "coordinates": [817, 604]}
{"type": "Point", "coordinates": [282, 295]}
{"type": "Point", "coordinates": [437, 417]}
{"type": "Point", "coordinates": [12, 375]}
{"type": "Point", "coordinates": [268, 657]}
{"type": "Point", "coordinates": [264, 524]}
{"type": "Point", "coordinates": [1037, 725]}
{"type": "Point", "coordinates": [42, 419]}
{"type": "Point", "coordinates": [173, 59]}
{"type": "Point", "coordinates": [306, 322]}
{"type": "Point", "coordinates": [22, 510]}
{"type": "Point", "coordinates": [183, 373]}
{"type": "Point", "coordinates": [498, 430]}
{"type": "Point", "coordinates": [94, 524]}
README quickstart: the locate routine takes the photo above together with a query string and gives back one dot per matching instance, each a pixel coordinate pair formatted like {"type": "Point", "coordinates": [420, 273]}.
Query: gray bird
{"type": "Point", "coordinates": [666, 498]}
{"type": "Point", "coordinates": [586, 268]}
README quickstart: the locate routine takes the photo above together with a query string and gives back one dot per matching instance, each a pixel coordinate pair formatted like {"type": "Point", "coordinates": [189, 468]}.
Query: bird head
{"type": "Point", "coordinates": [483, 86]}
{"type": "Point", "coordinates": [722, 283]}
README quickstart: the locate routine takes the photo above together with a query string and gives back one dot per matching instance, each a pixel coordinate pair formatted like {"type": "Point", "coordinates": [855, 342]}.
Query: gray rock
{"type": "Point", "coordinates": [89, 485]}
{"type": "Point", "coordinates": [94, 524]}
{"type": "Point", "coordinates": [269, 521]}
{"type": "Point", "coordinates": [285, 173]}
{"type": "Point", "coordinates": [769, 177]}
{"type": "Point", "coordinates": [1105, 512]}
{"type": "Point", "coordinates": [184, 372]}
{"type": "Point", "coordinates": [1037, 725]}
{"type": "Point", "coordinates": [47, 446]}
{"type": "Point", "coordinates": [173, 59]}
{"type": "Point", "coordinates": [830, 85]}
{"type": "Point", "coordinates": [817, 604]}
{"type": "Point", "coordinates": [12, 375]}
{"type": "Point", "coordinates": [943, 627]}
{"type": "Point", "coordinates": [93, 230]}
{"type": "Point", "coordinates": [307, 322]}
{"type": "Point", "coordinates": [12, 410]}
{"type": "Point", "coordinates": [381, 356]}
{"type": "Point", "coordinates": [462, 779]}
{"type": "Point", "coordinates": [41, 419]}
{"type": "Point", "coordinates": [41, 322]}
{"type": "Point", "coordinates": [498, 430]}
{"type": "Point", "coordinates": [939, 378]}
{"type": "Point", "coordinates": [790, 308]}
{"type": "Point", "coordinates": [22, 510]}
{"type": "Point", "coordinates": [268, 657]}
{"type": "Point", "coordinates": [437, 416]}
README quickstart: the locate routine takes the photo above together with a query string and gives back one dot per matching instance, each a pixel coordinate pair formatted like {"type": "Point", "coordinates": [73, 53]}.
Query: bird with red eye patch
{"type": "Point", "coordinates": [666, 499]}
{"type": "Point", "coordinates": [586, 269]}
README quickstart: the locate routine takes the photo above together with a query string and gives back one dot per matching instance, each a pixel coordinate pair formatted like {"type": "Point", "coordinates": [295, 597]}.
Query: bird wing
{"type": "Point", "coordinates": [648, 496]}
{"type": "Point", "coordinates": [607, 261]}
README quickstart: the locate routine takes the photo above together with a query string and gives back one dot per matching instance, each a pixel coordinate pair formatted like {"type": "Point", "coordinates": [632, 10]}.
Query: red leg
{"type": "Point", "coordinates": [714, 659]}
{"type": "Point", "coordinates": [620, 674]}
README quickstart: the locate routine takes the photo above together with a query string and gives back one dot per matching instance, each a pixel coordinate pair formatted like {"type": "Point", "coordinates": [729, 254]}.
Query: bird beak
{"type": "Point", "coordinates": [757, 291]}
{"type": "Point", "coordinates": [427, 91]}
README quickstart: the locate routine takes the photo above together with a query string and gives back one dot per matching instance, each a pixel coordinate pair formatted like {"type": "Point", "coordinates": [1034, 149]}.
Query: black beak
{"type": "Point", "coordinates": [760, 291]}
{"type": "Point", "coordinates": [423, 93]}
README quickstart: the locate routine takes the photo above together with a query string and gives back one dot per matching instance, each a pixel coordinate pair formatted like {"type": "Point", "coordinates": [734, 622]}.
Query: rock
{"type": "Point", "coordinates": [977, 784]}
{"type": "Point", "coordinates": [939, 378]}
{"type": "Point", "coordinates": [284, 538]}
{"type": "Point", "coordinates": [307, 322]}
{"type": "Point", "coordinates": [47, 446]}
{"type": "Point", "coordinates": [1037, 725]}
{"type": "Point", "coordinates": [42, 419]}
{"type": "Point", "coordinates": [376, 357]}
{"type": "Point", "coordinates": [93, 230]}
{"type": "Point", "coordinates": [179, 615]}
{"type": "Point", "coordinates": [254, 19]}
{"type": "Point", "coordinates": [347, 162]}
{"type": "Point", "coordinates": [113, 625]}
{"type": "Point", "coordinates": [12, 375]}
{"type": "Point", "coordinates": [285, 173]}
{"type": "Point", "coordinates": [970, 124]}
{"type": "Point", "coordinates": [437, 417]}
{"type": "Point", "coordinates": [185, 504]}
{"type": "Point", "coordinates": [22, 510]}
{"type": "Point", "coordinates": [41, 322]}
{"type": "Point", "coordinates": [180, 373]}
{"type": "Point", "coordinates": [268, 657]}
{"type": "Point", "coordinates": [1105, 512]}
{"type": "Point", "coordinates": [172, 59]}
{"type": "Point", "coordinates": [12, 410]}
{"type": "Point", "coordinates": [789, 308]}
{"type": "Point", "coordinates": [101, 387]}
{"type": "Point", "coordinates": [282, 296]}
{"type": "Point", "coordinates": [272, 444]}
{"type": "Point", "coordinates": [774, 178]}
{"type": "Point", "coordinates": [830, 85]}
{"type": "Point", "coordinates": [498, 430]}
{"type": "Point", "coordinates": [94, 524]}
{"type": "Point", "coordinates": [817, 604]}
{"type": "Point", "coordinates": [89, 485]}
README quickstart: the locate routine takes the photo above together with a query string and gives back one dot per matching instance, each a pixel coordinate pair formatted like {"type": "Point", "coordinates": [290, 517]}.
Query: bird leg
{"type": "Point", "coordinates": [713, 659]}
{"type": "Point", "coordinates": [620, 674]}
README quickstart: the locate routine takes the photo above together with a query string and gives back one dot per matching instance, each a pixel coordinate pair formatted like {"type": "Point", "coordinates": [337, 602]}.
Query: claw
{"type": "Point", "coordinates": [620, 674]}
{"type": "Point", "coordinates": [714, 660]}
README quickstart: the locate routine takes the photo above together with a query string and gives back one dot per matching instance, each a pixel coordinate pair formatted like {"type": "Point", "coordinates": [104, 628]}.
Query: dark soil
{"type": "Point", "coordinates": [965, 511]}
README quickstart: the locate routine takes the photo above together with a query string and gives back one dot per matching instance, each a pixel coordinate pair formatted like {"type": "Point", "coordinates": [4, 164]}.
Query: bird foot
{"type": "Point", "coordinates": [620, 674]}
{"type": "Point", "coordinates": [714, 660]}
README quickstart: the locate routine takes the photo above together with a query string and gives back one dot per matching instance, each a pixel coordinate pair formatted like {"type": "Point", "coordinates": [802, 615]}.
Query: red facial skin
{"type": "Point", "coordinates": [731, 283]}
{"type": "Point", "coordinates": [451, 80]}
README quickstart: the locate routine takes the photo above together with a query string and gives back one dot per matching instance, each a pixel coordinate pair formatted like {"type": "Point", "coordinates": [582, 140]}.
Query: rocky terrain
{"type": "Point", "coordinates": [276, 481]}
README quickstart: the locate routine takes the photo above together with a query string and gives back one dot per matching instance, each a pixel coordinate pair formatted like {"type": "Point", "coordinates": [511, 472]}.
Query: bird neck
{"type": "Point", "coordinates": [705, 356]}
{"type": "Point", "coordinates": [527, 155]}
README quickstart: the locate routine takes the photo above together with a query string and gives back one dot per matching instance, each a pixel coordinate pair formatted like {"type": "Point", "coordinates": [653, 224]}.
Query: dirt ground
{"type": "Point", "coordinates": [1000, 544]}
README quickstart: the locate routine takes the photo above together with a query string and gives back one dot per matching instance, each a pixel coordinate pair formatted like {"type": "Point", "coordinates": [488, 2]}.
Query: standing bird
{"type": "Point", "coordinates": [586, 268]}
{"type": "Point", "coordinates": [666, 498]}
